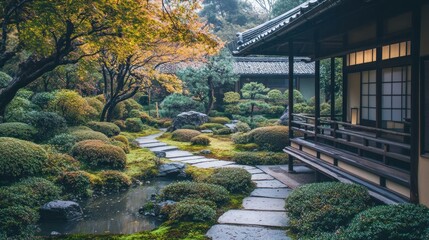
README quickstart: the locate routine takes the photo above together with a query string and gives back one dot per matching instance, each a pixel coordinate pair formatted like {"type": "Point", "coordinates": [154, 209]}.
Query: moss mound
{"type": "Point", "coordinates": [99, 155]}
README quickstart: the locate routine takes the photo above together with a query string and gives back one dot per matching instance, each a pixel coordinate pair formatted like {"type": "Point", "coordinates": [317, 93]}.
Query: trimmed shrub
{"type": "Point", "coordinates": [98, 154]}
{"type": "Point", "coordinates": [17, 130]}
{"type": "Point", "coordinates": [48, 124]}
{"type": "Point", "coordinates": [220, 120]}
{"type": "Point", "coordinates": [176, 103]}
{"type": "Point", "coordinates": [276, 96]}
{"type": "Point", "coordinates": [182, 190]}
{"type": "Point", "coordinates": [134, 125]}
{"type": "Point", "coordinates": [113, 181]}
{"type": "Point", "coordinates": [31, 192]}
{"type": "Point", "coordinates": [246, 146]}
{"type": "Point", "coordinates": [63, 142]}
{"type": "Point", "coordinates": [260, 158]}
{"type": "Point", "coordinates": [24, 93]}
{"type": "Point", "coordinates": [82, 135]}
{"type": "Point", "coordinates": [192, 212]}
{"type": "Point", "coordinates": [184, 135]}
{"type": "Point", "coordinates": [95, 103]}
{"type": "Point", "coordinates": [20, 158]}
{"type": "Point", "coordinates": [107, 128]}
{"type": "Point", "coordinates": [4, 79]}
{"type": "Point", "coordinates": [231, 97]}
{"type": "Point", "coordinates": [325, 207]}
{"type": "Point", "coordinates": [120, 124]}
{"type": "Point", "coordinates": [235, 180]}
{"type": "Point", "coordinates": [58, 163]}
{"type": "Point", "coordinates": [78, 128]}
{"type": "Point", "coordinates": [240, 138]}
{"type": "Point", "coordinates": [392, 222]}
{"type": "Point", "coordinates": [18, 222]}
{"type": "Point", "coordinates": [273, 138]}
{"type": "Point", "coordinates": [188, 127]}
{"type": "Point", "coordinates": [223, 131]}
{"type": "Point", "coordinates": [275, 111]}
{"type": "Point", "coordinates": [211, 126]}
{"type": "Point", "coordinates": [121, 138]}
{"type": "Point", "coordinates": [42, 99]}
{"type": "Point", "coordinates": [18, 109]}
{"type": "Point", "coordinates": [242, 127]}
{"type": "Point", "coordinates": [200, 140]}
{"type": "Point", "coordinates": [122, 145]}
{"type": "Point", "coordinates": [69, 104]}
{"type": "Point", "coordinates": [76, 183]}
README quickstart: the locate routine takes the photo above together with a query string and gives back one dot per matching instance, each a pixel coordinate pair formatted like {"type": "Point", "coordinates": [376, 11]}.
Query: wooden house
{"type": "Point", "coordinates": [382, 138]}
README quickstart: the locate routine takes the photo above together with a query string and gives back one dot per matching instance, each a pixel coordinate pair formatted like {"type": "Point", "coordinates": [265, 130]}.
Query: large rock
{"type": "Point", "coordinates": [232, 127]}
{"type": "Point", "coordinates": [171, 169]}
{"type": "Point", "coordinates": [188, 118]}
{"type": "Point", "coordinates": [61, 210]}
{"type": "Point", "coordinates": [284, 119]}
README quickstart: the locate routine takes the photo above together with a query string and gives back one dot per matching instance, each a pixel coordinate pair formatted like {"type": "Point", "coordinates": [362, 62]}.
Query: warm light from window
{"type": "Point", "coordinates": [354, 115]}
{"type": "Point", "coordinates": [361, 57]}
{"type": "Point", "coordinates": [396, 50]}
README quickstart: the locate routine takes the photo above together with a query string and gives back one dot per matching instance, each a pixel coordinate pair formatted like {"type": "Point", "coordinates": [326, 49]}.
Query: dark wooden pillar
{"type": "Point", "coordinates": [379, 75]}
{"type": "Point", "coordinates": [316, 96]}
{"type": "Point", "coordinates": [290, 100]}
{"type": "Point", "coordinates": [415, 131]}
{"type": "Point", "coordinates": [345, 88]}
{"type": "Point", "coordinates": [332, 89]}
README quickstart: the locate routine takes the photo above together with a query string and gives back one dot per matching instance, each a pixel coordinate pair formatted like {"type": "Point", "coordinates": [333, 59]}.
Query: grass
{"type": "Point", "coordinates": [221, 147]}
{"type": "Point", "coordinates": [141, 164]}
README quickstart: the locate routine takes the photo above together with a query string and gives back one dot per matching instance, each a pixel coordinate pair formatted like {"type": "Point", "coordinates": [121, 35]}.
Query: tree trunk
{"type": "Point", "coordinates": [210, 95]}
{"type": "Point", "coordinates": [252, 108]}
{"type": "Point", "coordinates": [104, 111]}
{"type": "Point", "coordinates": [110, 111]}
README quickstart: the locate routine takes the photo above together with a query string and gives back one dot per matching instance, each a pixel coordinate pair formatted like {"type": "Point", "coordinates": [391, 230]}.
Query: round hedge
{"type": "Point", "coordinates": [192, 212]}
{"type": "Point", "coordinates": [20, 158]}
{"type": "Point", "coordinates": [211, 126]}
{"type": "Point", "coordinates": [18, 222]}
{"type": "Point", "coordinates": [272, 138]}
{"type": "Point", "coordinates": [184, 135]}
{"type": "Point", "coordinates": [200, 140]}
{"type": "Point", "coordinates": [99, 155]}
{"type": "Point", "coordinates": [4, 79]}
{"type": "Point", "coordinates": [120, 124]}
{"type": "Point", "coordinates": [109, 129]}
{"type": "Point", "coordinates": [121, 138]}
{"type": "Point", "coordinates": [182, 190]}
{"type": "Point", "coordinates": [219, 120]}
{"type": "Point", "coordinates": [325, 207]}
{"type": "Point", "coordinates": [59, 163]}
{"type": "Point", "coordinates": [235, 180]}
{"type": "Point", "coordinates": [113, 181]}
{"type": "Point", "coordinates": [122, 145]}
{"type": "Point", "coordinates": [63, 142]}
{"type": "Point", "coordinates": [260, 158]}
{"type": "Point", "coordinates": [134, 125]}
{"type": "Point", "coordinates": [18, 130]}
{"type": "Point", "coordinates": [391, 222]}
{"type": "Point", "coordinates": [42, 99]}
{"type": "Point", "coordinates": [82, 135]}
{"type": "Point", "coordinates": [31, 192]}
{"type": "Point", "coordinates": [76, 183]}
{"type": "Point", "coordinates": [48, 124]}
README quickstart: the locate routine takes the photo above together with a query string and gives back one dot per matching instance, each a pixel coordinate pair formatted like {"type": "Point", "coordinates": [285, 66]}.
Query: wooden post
{"type": "Point", "coordinates": [290, 100]}
{"type": "Point", "coordinates": [379, 76]}
{"type": "Point", "coordinates": [157, 110]}
{"type": "Point", "coordinates": [332, 89]}
{"type": "Point", "coordinates": [317, 98]}
{"type": "Point", "coordinates": [344, 89]}
{"type": "Point", "coordinates": [415, 128]}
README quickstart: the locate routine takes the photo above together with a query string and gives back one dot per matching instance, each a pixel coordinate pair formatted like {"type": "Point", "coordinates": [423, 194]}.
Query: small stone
{"type": "Point", "coordinates": [55, 233]}
{"type": "Point", "coordinates": [206, 131]}
{"type": "Point", "coordinates": [171, 169]}
{"type": "Point", "coordinates": [160, 154]}
{"type": "Point", "coordinates": [205, 151]}
{"type": "Point", "coordinates": [61, 210]}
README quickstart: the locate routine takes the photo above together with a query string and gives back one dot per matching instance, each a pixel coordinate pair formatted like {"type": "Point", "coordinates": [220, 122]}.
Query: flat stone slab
{"type": "Point", "coordinates": [246, 167]}
{"type": "Point", "coordinates": [189, 158]}
{"type": "Point", "coordinates": [271, 192]}
{"type": "Point", "coordinates": [254, 171]}
{"type": "Point", "coordinates": [213, 164]}
{"type": "Point", "coordinates": [261, 176]}
{"type": "Point", "coordinates": [178, 153]}
{"type": "Point", "coordinates": [164, 149]}
{"type": "Point", "coordinates": [231, 232]}
{"type": "Point", "coordinates": [250, 217]}
{"type": "Point", "coordinates": [146, 141]}
{"type": "Point", "coordinates": [265, 204]}
{"type": "Point", "coordinates": [270, 184]}
{"type": "Point", "coordinates": [195, 161]}
{"type": "Point", "coordinates": [152, 145]}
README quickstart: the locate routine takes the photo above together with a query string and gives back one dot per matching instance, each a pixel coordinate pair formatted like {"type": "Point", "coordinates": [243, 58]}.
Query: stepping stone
{"type": "Point", "coordinates": [270, 184]}
{"type": "Point", "coordinates": [195, 161]}
{"type": "Point", "coordinates": [246, 167]}
{"type": "Point", "coordinates": [254, 171]}
{"type": "Point", "coordinates": [231, 232]}
{"type": "Point", "coordinates": [163, 149]}
{"type": "Point", "coordinates": [250, 217]}
{"type": "Point", "coordinates": [271, 192]}
{"type": "Point", "coordinates": [152, 145]}
{"type": "Point", "coordinates": [212, 164]}
{"type": "Point", "coordinates": [143, 141]}
{"type": "Point", "coordinates": [178, 153]}
{"type": "Point", "coordinates": [265, 204]}
{"type": "Point", "coordinates": [261, 176]}
{"type": "Point", "coordinates": [189, 158]}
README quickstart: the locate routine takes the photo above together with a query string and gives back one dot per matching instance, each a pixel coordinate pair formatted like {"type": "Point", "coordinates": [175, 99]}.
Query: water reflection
{"type": "Point", "coordinates": [115, 213]}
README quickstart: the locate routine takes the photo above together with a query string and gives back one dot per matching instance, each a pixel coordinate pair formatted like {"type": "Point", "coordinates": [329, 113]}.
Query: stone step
{"type": "Point", "coordinates": [214, 163]}
{"type": "Point", "coordinates": [270, 184]}
{"type": "Point", "coordinates": [177, 154]}
{"type": "Point", "coordinates": [254, 171]}
{"type": "Point", "coordinates": [271, 192]}
{"type": "Point", "coordinates": [259, 218]}
{"type": "Point", "coordinates": [163, 149]}
{"type": "Point", "coordinates": [246, 167]}
{"type": "Point", "coordinates": [152, 145]}
{"type": "Point", "coordinates": [264, 204]}
{"type": "Point", "coordinates": [143, 141]}
{"type": "Point", "coordinates": [189, 158]}
{"type": "Point", "coordinates": [261, 176]}
{"type": "Point", "coordinates": [232, 232]}
{"type": "Point", "coordinates": [196, 161]}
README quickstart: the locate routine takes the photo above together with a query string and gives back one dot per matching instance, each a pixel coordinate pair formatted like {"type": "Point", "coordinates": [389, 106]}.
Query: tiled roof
{"type": "Point", "coordinates": [282, 22]}
{"type": "Point", "coordinates": [271, 66]}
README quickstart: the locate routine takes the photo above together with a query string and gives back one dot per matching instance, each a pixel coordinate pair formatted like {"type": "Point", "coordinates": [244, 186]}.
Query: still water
{"type": "Point", "coordinates": [115, 213]}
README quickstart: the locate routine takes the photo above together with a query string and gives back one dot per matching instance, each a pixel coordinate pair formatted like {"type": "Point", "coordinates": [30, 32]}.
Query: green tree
{"type": "Point", "coordinates": [325, 78]}
{"type": "Point", "coordinates": [201, 82]}
{"type": "Point", "coordinates": [282, 6]}
{"type": "Point", "coordinates": [254, 93]}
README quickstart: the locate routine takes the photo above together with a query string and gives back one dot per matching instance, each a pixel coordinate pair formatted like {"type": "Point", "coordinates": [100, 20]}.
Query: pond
{"type": "Point", "coordinates": [115, 213]}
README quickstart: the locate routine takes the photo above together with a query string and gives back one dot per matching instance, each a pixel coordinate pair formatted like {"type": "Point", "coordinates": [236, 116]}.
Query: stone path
{"type": "Point", "coordinates": [262, 215]}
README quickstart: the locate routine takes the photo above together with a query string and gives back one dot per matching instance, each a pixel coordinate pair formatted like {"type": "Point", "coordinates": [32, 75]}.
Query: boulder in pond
{"type": "Point", "coordinates": [171, 169]}
{"type": "Point", "coordinates": [61, 210]}
{"type": "Point", "coordinates": [188, 118]}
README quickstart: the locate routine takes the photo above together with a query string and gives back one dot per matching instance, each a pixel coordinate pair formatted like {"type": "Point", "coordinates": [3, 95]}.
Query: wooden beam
{"type": "Point", "coordinates": [332, 88]}
{"type": "Point", "coordinates": [345, 73]}
{"type": "Point", "coordinates": [290, 100]}
{"type": "Point", "coordinates": [415, 128]}
{"type": "Point", "coordinates": [316, 85]}
{"type": "Point", "coordinates": [379, 73]}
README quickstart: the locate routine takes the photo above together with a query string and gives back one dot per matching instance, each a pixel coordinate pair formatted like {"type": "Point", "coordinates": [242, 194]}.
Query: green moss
{"type": "Point", "coordinates": [141, 164]}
